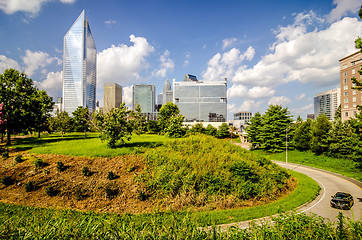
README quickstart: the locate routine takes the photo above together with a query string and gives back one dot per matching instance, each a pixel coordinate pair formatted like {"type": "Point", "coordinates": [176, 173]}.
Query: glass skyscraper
{"type": "Point", "coordinates": [144, 95]}
{"type": "Point", "coordinates": [79, 67]}
{"type": "Point", "coordinates": [201, 101]}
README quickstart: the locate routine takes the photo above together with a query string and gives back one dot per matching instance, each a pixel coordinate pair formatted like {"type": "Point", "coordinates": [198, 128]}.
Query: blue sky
{"type": "Point", "coordinates": [272, 52]}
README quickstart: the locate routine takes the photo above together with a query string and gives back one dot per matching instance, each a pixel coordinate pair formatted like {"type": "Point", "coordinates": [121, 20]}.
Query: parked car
{"type": "Point", "coordinates": [342, 200]}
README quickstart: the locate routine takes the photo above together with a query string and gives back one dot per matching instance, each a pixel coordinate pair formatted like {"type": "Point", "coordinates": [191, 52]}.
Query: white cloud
{"type": "Point", "coordinates": [343, 8]}
{"type": "Point", "coordinates": [6, 63]}
{"type": "Point", "coordinates": [29, 6]}
{"type": "Point", "coordinates": [166, 65]}
{"type": "Point", "coordinates": [224, 65]}
{"type": "Point", "coordinates": [122, 63]}
{"type": "Point", "coordinates": [228, 42]}
{"type": "Point", "coordinates": [260, 92]}
{"type": "Point", "coordinates": [35, 60]}
{"type": "Point", "coordinates": [187, 59]}
{"type": "Point", "coordinates": [127, 96]}
{"type": "Point", "coordinates": [302, 110]}
{"type": "Point", "coordinates": [300, 96]}
{"type": "Point", "coordinates": [53, 84]}
{"type": "Point", "coordinates": [110, 22]}
{"type": "Point", "coordinates": [237, 91]}
{"type": "Point", "coordinates": [282, 100]}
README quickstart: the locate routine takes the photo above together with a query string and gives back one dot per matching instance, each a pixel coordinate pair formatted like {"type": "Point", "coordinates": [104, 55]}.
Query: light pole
{"type": "Point", "coordinates": [286, 145]}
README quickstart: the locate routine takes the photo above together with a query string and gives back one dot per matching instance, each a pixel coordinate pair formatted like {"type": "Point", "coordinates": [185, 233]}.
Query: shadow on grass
{"type": "Point", "coordinates": [141, 144]}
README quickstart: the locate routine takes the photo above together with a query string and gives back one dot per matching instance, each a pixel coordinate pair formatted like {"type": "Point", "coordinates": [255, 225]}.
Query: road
{"type": "Point", "coordinates": [330, 184]}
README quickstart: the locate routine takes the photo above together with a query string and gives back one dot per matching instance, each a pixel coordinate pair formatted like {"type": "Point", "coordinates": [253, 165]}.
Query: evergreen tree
{"type": "Point", "coordinates": [210, 130]}
{"type": "Point", "coordinates": [174, 128]}
{"type": "Point", "coordinates": [223, 131]}
{"type": "Point", "coordinates": [166, 112]}
{"type": "Point", "coordinates": [275, 122]}
{"type": "Point", "coordinates": [254, 130]}
{"type": "Point", "coordinates": [197, 128]}
{"type": "Point", "coordinates": [341, 139]}
{"type": "Point", "coordinates": [139, 121]}
{"type": "Point", "coordinates": [320, 129]}
{"type": "Point", "coordinates": [303, 135]}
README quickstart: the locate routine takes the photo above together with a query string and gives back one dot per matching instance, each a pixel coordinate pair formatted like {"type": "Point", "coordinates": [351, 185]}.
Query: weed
{"type": "Point", "coordinates": [142, 196]}
{"type": "Point", "coordinates": [80, 194]}
{"type": "Point", "coordinates": [30, 186]}
{"type": "Point", "coordinates": [61, 167]}
{"type": "Point", "coordinates": [5, 155]}
{"type": "Point", "coordinates": [111, 192]}
{"type": "Point", "coordinates": [6, 180]}
{"type": "Point", "coordinates": [86, 172]}
{"type": "Point", "coordinates": [52, 191]}
{"type": "Point", "coordinates": [111, 175]}
{"type": "Point", "coordinates": [39, 163]}
{"type": "Point", "coordinates": [19, 159]}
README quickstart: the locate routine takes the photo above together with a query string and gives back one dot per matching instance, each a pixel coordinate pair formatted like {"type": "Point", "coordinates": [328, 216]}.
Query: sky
{"type": "Point", "coordinates": [271, 52]}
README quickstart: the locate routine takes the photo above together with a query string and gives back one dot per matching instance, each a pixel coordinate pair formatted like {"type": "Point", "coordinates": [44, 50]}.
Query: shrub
{"type": "Point", "coordinates": [5, 155]}
{"type": "Point", "coordinates": [18, 159]}
{"type": "Point", "coordinates": [51, 191]}
{"type": "Point", "coordinates": [39, 163]}
{"type": "Point", "coordinates": [6, 180]}
{"type": "Point", "coordinates": [61, 167]}
{"type": "Point", "coordinates": [86, 172]}
{"type": "Point", "coordinates": [30, 186]}
{"type": "Point", "coordinates": [142, 196]}
{"type": "Point", "coordinates": [111, 192]}
{"type": "Point", "coordinates": [111, 176]}
{"type": "Point", "coordinates": [80, 194]}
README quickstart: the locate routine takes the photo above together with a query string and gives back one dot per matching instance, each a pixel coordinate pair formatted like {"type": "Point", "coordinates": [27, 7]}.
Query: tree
{"type": "Point", "coordinates": [139, 121]}
{"type": "Point", "coordinates": [41, 109]}
{"type": "Point", "coordinates": [275, 122]}
{"type": "Point", "coordinates": [303, 135]}
{"type": "Point", "coordinates": [197, 128]}
{"type": "Point", "coordinates": [254, 130]}
{"type": "Point", "coordinates": [61, 122]}
{"type": "Point", "coordinates": [341, 139]}
{"type": "Point", "coordinates": [153, 126]}
{"type": "Point", "coordinates": [97, 121]}
{"type": "Point", "coordinates": [223, 131]}
{"type": "Point", "coordinates": [116, 127]}
{"type": "Point", "coordinates": [320, 129]}
{"type": "Point", "coordinates": [81, 120]}
{"type": "Point", "coordinates": [210, 130]}
{"type": "Point", "coordinates": [166, 112]}
{"type": "Point", "coordinates": [174, 128]}
{"type": "Point", "coordinates": [17, 94]}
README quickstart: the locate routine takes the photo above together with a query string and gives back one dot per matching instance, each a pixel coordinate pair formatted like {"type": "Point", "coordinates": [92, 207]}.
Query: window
{"type": "Point", "coordinates": [344, 66]}
{"type": "Point", "coordinates": [354, 92]}
{"type": "Point", "coordinates": [354, 105]}
{"type": "Point", "coordinates": [353, 85]}
{"type": "Point", "coordinates": [346, 114]}
{"type": "Point", "coordinates": [345, 106]}
{"type": "Point", "coordinates": [345, 74]}
{"type": "Point", "coordinates": [353, 63]}
{"type": "Point", "coordinates": [353, 71]}
{"type": "Point", "coordinates": [345, 81]}
{"type": "Point", "coordinates": [354, 99]}
{"type": "Point", "coordinates": [346, 100]}
{"type": "Point", "coordinates": [345, 94]}
{"type": "Point", "coordinates": [345, 87]}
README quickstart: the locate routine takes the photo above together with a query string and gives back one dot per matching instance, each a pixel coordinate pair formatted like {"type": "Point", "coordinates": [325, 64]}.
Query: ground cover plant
{"type": "Point", "coordinates": [342, 166]}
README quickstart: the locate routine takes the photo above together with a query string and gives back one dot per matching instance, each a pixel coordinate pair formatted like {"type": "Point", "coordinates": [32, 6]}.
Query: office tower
{"type": "Point", "coordinates": [327, 103]}
{"type": "Point", "coordinates": [144, 95]}
{"type": "Point", "coordinates": [112, 96]}
{"type": "Point", "coordinates": [167, 93]}
{"type": "Point", "coordinates": [79, 67]}
{"type": "Point", "coordinates": [244, 116]}
{"type": "Point", "coordinates": [351, 98]}
{"type": "Point", "coordinates": [190, 78]}
{"type": "Point", "coordinates": [201, 101]}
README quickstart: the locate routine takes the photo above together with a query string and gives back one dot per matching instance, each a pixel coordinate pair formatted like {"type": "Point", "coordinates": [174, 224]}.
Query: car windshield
{"type": "Point", "coordinates": [340, 195]}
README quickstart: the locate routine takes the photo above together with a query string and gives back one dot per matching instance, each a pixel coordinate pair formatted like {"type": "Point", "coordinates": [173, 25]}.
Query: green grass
{"type": "Point", "coordinates": [75, 145]}
{"type": "Point", "coordinates": [342, 166]}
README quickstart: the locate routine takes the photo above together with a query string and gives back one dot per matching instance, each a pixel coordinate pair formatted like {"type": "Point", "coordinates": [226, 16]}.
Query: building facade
{"type": "Point", "coordinates": [327, 103]}
{"type": "Point", "coordinates": [244, 116]}
{"type": "Point", "coordinates": [144, 95]}
{"type": "Point", "coordinates": [349, 67]}
{"type": "Point", "coordinates": [167, 94]}
{"type": "Point", "coordinates": [112, 96]}
{"type": "Point", "coordinates": [201, 101]}
{"type": "Point", "coordinates": [79, 67]}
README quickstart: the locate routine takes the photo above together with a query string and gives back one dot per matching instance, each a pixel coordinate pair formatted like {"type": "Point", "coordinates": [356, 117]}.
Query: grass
{"type": "Point", "coordinates": [343, 166]}
{"type": "Point", "coordinates": [75, 145]}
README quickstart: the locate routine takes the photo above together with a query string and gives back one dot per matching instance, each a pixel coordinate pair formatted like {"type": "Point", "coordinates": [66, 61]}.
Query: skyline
{"type": "Point", "coordinates": [146, 42]}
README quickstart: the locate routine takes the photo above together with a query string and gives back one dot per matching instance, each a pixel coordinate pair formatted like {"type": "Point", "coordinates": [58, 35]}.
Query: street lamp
{"type": "Point", "coordinates": [286, 144]}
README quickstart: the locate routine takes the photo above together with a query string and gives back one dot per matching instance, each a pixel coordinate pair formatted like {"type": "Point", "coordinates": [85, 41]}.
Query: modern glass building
{"type": "Point", "coordinates": [145, 96]}
{"type": "Point", "coordinates": [327, 103]}
{"type": "Point", "coordinates": [79, 67]}
{"type": "Point", "coordinates": [201, 101]}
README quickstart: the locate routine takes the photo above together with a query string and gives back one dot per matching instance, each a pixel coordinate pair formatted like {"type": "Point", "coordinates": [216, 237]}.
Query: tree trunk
{"type": "Point", "coordinates": [85, 134]}
{"type": "Point", "coordinates": [8, 141]}
{"type": "Point", "coordinates": [39, 133]}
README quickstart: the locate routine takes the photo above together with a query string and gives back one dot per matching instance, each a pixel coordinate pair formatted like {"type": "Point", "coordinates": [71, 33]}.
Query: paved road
{"type": "Point", "coordinates": [330, 184]}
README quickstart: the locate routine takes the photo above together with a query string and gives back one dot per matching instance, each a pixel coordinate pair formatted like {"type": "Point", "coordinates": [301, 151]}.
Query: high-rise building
{"type": "Point", "coordinates": [201, 101]}
{"type": "Point", "coordinates": [190, 78]}
{"type": "Point", "coordinates": [112, 96]}
{"type": "Point", "coordinates": [327, 103]}
{"type": "Point", "coordinates": [244, 116]}
{"type": "Point", "coordinates": [144, 95]}
{"type": "Point", "coordinates": [167, 93]}
{"type": "Point", "coordinates": [79, 67]}
{"type": "Point", "coordinates": [349, 67]}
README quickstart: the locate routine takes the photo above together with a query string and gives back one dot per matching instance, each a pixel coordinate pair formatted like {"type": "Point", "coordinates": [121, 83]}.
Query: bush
{"type": "Point", "coordinates": [111, 176]}
{"type": "Point", "coordinates": [5, 155]}
{"type": "Point", "coordinates": [39, 163]}
{"type": "Point", "coordinates": [86, 172]}
{"type": "Point", "coordinates": [18, 159]}
{"type": "Point", "coordinates": [30, 186]}
{"type": "Point", "coordinates": [61, 167]}
{"type": "Point", "coordinates": [143, 196]}
{"type": "Point", "coordinates": [80, 194]}
{"type": "Point", "coordinates": [51, 191]}
{"type": "Point", "coordinates": [6, 180]}
{"type": "Point", "coordinates": [111, 192]}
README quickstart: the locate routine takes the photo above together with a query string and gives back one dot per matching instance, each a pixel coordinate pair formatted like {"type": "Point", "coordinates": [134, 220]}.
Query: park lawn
{"type": "Point", "coordinates": [342, 166]}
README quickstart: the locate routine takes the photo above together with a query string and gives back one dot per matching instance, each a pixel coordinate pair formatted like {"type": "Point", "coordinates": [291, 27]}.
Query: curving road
{"type": "Point", "coordinates": [330, 184]}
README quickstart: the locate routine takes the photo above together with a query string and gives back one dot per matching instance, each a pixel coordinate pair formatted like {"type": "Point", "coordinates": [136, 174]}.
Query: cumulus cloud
{"type": "Point", "coordinates": [167, 65]}
{"type": "Point", "coordinates": [53, 83]}
{"type": "Point", "coordinates": [31, 7]}
{"type": "Point", "coordinates": [260, 92]}
{"type": "Point", "coordinates": [282, 100]}
{"type": "Point", "coordinates": [300, 96]}
{"type": "Point", "coordinates": [123, 63]}
{"type": "Point", "coordinates": [302, 110]}
{"type": "Point", "coordinates": [35, 60]}
{"type": "Point", "coordinates": [224, 65]}
{"type": "Point", "coordinates": [343, 8]}
{"type": "Point", "coordinates": [237, 91]}
{"type": "Point", "coordinates": [127, 96]}
{"type": "Point", "coordinates": [6, 63]}
{"type": "Point", "coordinates": [228, 42]}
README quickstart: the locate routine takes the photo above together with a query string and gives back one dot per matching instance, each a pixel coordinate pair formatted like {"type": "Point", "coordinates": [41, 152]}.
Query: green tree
{"type": "Point", "coordinates": [210, 130]}
{"type": "Point", "coordinates": [320, 129]}
{"type": "Point", "coordinates": [61, 122]}
{"type": "Point", "coordinates": [341, 139]}
{"type": "Point", "coordinates": [139, 121]}
{"type": "Point", "coordinates": [97, 121]}
{"type": "Point", "coordinates": [254, 131]}
{"type": "Point", "coordinates": [338, 114]}
{"type": "Point", "coordinates": [303, 135]}
{"type": "Point", "coordinates": [276, 120]}
{"type": "Point", "coordinates": [81, 119]}
{"type": "Point", "coordinates": [174, 128]}
{"type": "Point", "coordinates": [116, 127]}
{"type": "Point", "coordinates": [17, 94]}
{"type": "Point", "coordinates": [41, 108]}
{"type": "Point", "coordinates": [153, 126]}
{"type": "Point", "coordinates": [223, 131]}
{"type": "Point", "coordinates": [197, 128]}
{"type": "Point", "coordinates": [166, 112]}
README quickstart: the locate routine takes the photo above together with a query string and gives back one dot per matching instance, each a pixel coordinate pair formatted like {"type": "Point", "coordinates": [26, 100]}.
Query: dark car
{"type": "Point", "coordinates": [342, 200]}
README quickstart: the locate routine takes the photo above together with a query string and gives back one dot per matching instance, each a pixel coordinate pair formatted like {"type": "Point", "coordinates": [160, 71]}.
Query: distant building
{"type": "Point", "coordinates": [351, 98]}
{"type": "Point", "coordinates": [57, 106]}
{"type": "Point", "coordinates": [201, 101]}
{"type": "Point", "coordinates": [112, 96]}
{"type": "Point", "coordinates": [144, 95]}
{"type": "Point", "coordinates": [327, 103]}
{"type": "Point", "coordinates": [79, 67]}
{"type": "Point", "coordinates": [190, 78]}
{"type": "Point", "coordinates": [244, 116]}
{"type": "Point", "coordinates": [167, 94]}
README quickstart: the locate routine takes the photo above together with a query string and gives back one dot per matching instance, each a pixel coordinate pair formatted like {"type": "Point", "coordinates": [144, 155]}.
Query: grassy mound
{"type": "Point", "coordinates": [200, 169]}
